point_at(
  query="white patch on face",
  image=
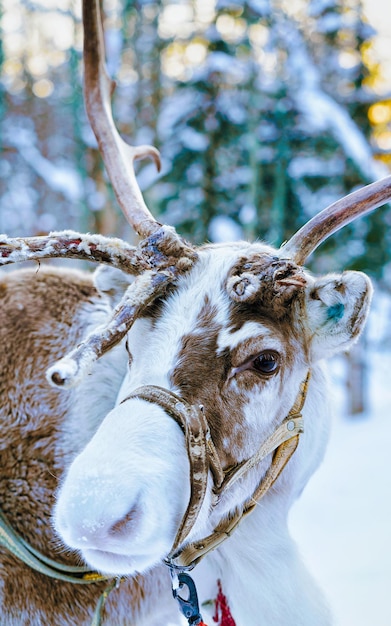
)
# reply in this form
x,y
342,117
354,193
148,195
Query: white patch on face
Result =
x,y
113,503
249,330
123,487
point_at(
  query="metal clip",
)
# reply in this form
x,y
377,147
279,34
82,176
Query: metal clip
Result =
x,y
189,607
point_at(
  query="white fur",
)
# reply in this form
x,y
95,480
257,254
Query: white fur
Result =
x,y
124,496
249,330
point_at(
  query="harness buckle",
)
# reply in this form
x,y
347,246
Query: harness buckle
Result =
x,y
189,606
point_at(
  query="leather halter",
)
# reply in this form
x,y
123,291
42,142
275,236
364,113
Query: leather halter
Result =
x,y
203,457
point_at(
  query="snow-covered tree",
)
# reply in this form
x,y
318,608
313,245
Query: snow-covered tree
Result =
x,y
262,109
272,125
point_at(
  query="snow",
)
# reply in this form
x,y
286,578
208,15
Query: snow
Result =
x,y
175,109
319,6
113,45
59,177
303,165
233,69
223,228
262,7
194,140
342,520
322,112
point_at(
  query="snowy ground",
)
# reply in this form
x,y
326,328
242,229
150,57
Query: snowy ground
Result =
x,y
342,521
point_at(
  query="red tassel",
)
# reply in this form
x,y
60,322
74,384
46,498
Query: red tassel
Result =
x,y
222,614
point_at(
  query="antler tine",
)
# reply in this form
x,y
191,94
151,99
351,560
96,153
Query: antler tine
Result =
x,y
72,368
73,245
334,217
117,155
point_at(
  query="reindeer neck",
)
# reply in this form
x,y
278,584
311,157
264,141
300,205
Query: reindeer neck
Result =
x,y
261,574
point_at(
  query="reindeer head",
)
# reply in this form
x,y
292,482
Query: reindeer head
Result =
x,y
227,332
237,335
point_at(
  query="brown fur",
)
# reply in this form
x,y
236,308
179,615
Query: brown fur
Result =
x,y
202,371
266,280
37,311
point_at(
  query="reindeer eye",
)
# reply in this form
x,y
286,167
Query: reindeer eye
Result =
x,y
266,363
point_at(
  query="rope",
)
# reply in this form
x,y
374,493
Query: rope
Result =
x,y
17,546
222,614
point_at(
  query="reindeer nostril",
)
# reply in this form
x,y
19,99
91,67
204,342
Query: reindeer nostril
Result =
x,y
126,523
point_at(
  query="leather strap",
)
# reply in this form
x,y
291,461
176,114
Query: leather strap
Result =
x,y
200,449
203,456
15,544
191,554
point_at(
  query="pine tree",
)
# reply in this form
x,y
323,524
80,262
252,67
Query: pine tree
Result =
x,y
204,127
260,109
300,139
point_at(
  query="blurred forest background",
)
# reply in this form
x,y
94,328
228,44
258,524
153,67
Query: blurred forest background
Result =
x,y
265,112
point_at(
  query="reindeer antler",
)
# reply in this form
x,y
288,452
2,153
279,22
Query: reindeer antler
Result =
x,y
281,277
72,245
163,245
163,252
334,217
161,257
118,156
75,365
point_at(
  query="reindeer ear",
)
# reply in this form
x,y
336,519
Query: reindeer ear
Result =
x,y
337,307
111,282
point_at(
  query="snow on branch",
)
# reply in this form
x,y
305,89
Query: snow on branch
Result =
x,y
322,111
60,178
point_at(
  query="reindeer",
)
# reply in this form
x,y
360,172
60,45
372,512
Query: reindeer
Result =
x,y
177,433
